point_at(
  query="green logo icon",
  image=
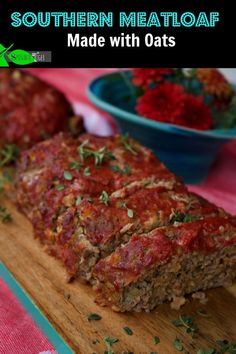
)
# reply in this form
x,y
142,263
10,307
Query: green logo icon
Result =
x,y
17,56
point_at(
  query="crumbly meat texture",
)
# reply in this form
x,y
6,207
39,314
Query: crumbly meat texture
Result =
x,y
30,109
168,262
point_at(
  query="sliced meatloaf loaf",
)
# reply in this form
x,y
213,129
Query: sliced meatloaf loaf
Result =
x,y
167,262
30,109
86,196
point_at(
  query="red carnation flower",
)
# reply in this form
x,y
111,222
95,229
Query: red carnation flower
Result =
x,y
171,104
144,77
195,113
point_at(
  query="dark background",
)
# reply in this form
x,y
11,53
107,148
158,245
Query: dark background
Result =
x,y
195,47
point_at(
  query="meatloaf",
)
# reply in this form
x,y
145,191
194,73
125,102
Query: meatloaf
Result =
x,y
30,109
90,197
167,262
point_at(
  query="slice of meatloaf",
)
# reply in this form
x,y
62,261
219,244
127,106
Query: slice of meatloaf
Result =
x,y
167,262
30,109
86,196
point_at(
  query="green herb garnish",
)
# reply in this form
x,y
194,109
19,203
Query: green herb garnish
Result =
x,y
187,322
104,198
130,213
87,172
178,345
4,215
60,187
8,154
68,176
207,351
124,139
78,201
74,165
99,155
117,169
128,330
121,204
226,347
109,343
156,340
94,317
182,217
126,170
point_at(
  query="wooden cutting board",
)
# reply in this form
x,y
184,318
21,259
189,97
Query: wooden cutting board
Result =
x,y
67,306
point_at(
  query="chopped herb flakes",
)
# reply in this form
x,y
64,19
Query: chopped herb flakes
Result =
x,y
94,317
78,201
156,340
104,198
127,146
109,343
68,176
181,217
60,187
128,330
178,345
117,169
121,204
8,154
74,165
130,213
87,172
5,217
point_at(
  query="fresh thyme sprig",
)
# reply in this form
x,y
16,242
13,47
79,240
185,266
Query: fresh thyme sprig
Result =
x,y
99,155
8,154
124,139
5,216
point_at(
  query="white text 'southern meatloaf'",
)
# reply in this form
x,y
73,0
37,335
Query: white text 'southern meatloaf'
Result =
x,y
30,109
167,262
86,196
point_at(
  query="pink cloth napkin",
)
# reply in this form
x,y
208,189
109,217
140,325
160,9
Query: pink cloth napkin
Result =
x,y
19,334
220,186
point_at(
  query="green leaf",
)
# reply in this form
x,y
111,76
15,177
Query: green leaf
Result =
x,y
60,187
128,330
3,62
178,345
78,201
130,213
68,176
21,57
94,317
87,172
5,217
104,198
8,154
156,340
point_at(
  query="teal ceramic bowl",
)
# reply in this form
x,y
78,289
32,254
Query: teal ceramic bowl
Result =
x,y
187,152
